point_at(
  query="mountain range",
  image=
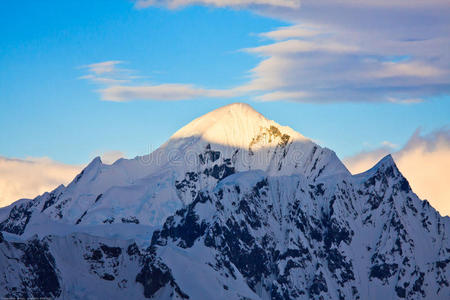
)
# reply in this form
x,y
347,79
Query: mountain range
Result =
x,y
232,206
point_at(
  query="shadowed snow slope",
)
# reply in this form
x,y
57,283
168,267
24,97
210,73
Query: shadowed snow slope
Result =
x,y
232,206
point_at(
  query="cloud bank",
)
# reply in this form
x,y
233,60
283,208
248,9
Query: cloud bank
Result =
x,y
27,178
424,161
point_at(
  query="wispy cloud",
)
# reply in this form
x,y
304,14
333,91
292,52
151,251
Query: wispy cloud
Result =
x,y
104,67
424,160
405,101
120,85
289,32
389,144
108,73
282,95
168,92
172,4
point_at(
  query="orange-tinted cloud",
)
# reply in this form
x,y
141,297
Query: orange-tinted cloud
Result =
x,y
27,178
424,161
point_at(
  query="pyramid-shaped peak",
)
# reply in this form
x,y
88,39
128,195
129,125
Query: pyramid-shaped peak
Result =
x,y
386,164
238,109
235,124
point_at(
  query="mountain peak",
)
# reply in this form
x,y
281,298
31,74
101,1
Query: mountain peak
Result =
x,y
238,108
235,124
387,163
384,163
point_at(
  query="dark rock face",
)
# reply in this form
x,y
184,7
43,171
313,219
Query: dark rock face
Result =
x,y
40,278
155,276
52,200
37,259
131,219
18,219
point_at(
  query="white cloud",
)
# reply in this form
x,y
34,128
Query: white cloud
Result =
x,y
108,73
288,32
103,80
30,177
389,144
119,85
103,67
414,69
300,46
27,178
384,3
347,64
167,92
405,101
287,96
173,4
424,161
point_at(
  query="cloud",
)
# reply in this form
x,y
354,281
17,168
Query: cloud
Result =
x,y
108,73
104,67
103,80
167,92
398,51
117,84
405,101
334,51
333,64
414,69
30,177
424,161
288,32
173,4
300,46
285,95
389,144
27,178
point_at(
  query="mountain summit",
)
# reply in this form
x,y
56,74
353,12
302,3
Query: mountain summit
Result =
x,y
232,206
234,125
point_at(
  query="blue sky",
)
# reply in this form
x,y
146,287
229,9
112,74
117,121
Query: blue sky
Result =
x,y
47,110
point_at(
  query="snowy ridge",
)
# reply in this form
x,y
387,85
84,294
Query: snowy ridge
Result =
x,y
232,206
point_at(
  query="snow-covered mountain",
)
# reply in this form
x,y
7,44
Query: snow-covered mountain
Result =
x,y
232,206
